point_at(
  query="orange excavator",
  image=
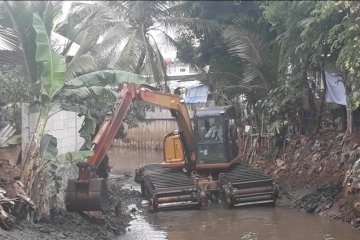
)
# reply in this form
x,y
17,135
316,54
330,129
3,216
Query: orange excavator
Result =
x,y
198,162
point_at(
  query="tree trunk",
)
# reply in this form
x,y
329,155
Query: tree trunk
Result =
x,y
32,176
322,104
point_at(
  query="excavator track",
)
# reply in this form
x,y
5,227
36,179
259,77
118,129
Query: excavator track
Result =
x,y
171,189
168,189
243,185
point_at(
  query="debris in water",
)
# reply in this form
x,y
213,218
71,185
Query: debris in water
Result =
x,y
249,236
144,203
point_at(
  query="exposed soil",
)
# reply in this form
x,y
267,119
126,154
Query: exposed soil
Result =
x,y
94,225
318,175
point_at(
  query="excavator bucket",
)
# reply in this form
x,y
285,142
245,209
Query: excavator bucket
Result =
x,y
90,195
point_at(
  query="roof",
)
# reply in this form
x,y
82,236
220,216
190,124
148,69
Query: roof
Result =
x,y
216,111
183,84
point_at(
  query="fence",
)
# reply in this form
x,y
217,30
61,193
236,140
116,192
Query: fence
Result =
x,y
150,134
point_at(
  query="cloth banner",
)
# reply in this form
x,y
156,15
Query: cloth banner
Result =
x,y
197,94
335,92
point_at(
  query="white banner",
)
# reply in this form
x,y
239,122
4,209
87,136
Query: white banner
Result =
x,y
335,89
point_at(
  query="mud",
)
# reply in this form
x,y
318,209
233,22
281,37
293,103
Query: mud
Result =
x,y
95,225
320,200
313,175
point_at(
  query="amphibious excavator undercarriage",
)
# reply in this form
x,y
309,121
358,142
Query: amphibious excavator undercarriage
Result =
x,y
199,161
239,185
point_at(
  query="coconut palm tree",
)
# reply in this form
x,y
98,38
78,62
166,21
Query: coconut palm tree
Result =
x,y
128,32
17,40
259,60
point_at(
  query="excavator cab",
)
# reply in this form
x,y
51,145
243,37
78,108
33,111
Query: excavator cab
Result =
x,y
215,134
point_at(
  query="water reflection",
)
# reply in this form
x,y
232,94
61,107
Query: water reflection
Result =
x,y
125,160
249,224
217,223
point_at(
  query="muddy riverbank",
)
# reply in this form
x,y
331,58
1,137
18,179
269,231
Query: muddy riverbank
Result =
x,y
73,226
319,175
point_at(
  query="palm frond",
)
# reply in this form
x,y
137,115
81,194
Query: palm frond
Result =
x,y
21,19
244,44
80,65
131,52
21,15
13,61
258,68
86,20
119,6
112,39
152,68
167,39
202,26
161,66
179,8
8,39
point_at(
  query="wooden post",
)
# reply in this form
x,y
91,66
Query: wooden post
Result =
x,y
348,117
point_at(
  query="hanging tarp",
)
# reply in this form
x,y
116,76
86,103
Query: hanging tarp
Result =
x,y
197,94
335,92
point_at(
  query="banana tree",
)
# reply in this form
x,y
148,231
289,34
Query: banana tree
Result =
x,y
90,96
53,91
52,80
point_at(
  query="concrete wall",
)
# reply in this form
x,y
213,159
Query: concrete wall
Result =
x,y
63,125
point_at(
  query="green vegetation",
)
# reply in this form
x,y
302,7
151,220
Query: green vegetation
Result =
x,y
275,52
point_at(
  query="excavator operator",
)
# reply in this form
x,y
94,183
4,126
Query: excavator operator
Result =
x,y
215,131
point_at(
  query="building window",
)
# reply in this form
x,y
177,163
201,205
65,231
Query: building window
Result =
x,y
182,69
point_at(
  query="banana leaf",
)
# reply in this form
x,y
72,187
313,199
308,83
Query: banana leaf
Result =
x,y
14,140
53,75
75,156
48,147
84,92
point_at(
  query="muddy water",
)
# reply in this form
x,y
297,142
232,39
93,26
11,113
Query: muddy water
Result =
x,y
215,222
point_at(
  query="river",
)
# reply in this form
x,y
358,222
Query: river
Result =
x,y
214,222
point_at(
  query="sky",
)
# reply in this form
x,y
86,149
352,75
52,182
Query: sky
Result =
x,y
167,51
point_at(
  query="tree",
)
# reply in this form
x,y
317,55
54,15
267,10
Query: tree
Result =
x,y
277,49
128,32
50,90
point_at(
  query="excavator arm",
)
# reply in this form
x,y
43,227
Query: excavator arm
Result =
x,y
89,192
139,92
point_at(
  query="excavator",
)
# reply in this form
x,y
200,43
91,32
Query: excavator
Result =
x,y
200,163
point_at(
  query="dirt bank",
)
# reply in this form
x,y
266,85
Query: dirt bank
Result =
x,y
65,225
319,175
